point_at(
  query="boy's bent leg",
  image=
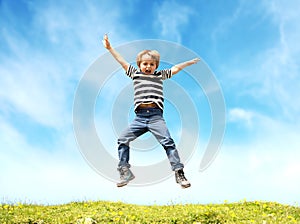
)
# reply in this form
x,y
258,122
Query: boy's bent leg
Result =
x,y
135,129
159,129
161,132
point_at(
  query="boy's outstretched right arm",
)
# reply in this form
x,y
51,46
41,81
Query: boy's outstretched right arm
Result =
x,y
114,53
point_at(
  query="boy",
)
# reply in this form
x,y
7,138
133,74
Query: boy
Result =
x,y
148,106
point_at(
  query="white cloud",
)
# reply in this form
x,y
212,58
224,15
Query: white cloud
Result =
x,y
32,87
39,78
281,63
259,170
268,164
258,174
31,174
172,16
262,124
271,76
226,23
241,115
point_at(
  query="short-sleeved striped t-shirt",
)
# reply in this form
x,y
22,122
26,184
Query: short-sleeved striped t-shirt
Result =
x,y
148,88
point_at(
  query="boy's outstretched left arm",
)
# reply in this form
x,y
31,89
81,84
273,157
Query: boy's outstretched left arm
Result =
x,y
176,68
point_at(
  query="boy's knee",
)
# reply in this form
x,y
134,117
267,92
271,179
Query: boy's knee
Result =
x,y
168,143
122,141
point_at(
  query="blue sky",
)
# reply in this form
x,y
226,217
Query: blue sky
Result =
x,y
251,47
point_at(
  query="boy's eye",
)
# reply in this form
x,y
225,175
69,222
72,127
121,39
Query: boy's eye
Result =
x,y
146,64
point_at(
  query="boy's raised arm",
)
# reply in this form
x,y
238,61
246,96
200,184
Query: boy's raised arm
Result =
x,y
114,53
176,68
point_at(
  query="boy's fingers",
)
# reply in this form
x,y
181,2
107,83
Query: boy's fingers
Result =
x,y
104,43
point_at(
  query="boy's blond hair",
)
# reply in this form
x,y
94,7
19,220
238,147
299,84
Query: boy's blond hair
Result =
x,y
152,53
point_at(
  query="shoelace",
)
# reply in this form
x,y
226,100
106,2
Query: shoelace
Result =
x,y
181,177
122,173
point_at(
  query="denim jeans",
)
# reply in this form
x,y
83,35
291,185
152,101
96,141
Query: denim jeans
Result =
x,y
152,120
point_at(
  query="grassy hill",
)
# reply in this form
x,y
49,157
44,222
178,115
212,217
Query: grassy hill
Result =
x,y
117,212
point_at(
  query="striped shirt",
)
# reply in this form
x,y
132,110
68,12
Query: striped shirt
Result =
x,y
148,88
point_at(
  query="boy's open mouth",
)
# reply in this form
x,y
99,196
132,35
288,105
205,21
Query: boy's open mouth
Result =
x,y
147,71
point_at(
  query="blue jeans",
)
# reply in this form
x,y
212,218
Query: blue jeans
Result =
x,y
152,120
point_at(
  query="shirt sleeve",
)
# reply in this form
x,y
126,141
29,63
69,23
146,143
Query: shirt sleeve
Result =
x,y
166,73
131,71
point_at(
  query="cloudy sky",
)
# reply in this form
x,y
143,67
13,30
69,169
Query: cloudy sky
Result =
x,y
251,48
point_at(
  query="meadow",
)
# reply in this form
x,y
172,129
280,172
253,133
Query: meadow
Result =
x,y
90,212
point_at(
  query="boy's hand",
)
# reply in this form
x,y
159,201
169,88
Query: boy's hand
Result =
x,y
195,60
176,68
105,42
114,53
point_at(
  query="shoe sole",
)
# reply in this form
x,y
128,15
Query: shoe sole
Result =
x,y
122,184
185,186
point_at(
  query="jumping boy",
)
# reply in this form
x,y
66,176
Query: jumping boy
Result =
x,y
148,106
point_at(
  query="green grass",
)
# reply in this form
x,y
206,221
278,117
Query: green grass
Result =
x,y
117,212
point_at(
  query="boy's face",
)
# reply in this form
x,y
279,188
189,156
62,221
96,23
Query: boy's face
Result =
x,y
147,65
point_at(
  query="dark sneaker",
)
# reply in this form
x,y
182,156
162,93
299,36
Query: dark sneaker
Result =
x,y
125,175
180,179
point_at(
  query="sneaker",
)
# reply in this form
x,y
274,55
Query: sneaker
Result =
x,y
180,179
125,175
